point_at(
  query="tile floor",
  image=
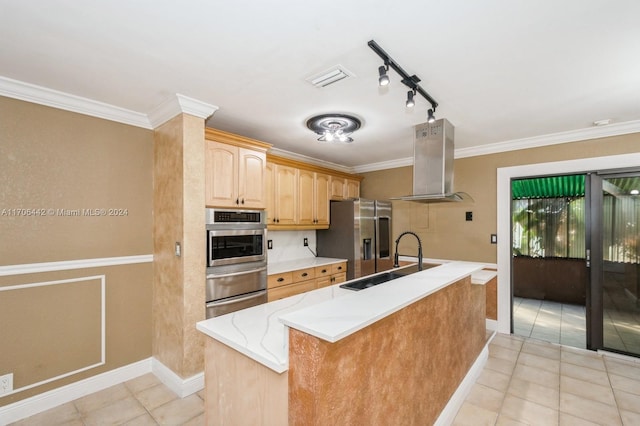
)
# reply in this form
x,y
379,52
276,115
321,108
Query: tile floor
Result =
x,y
550,321
532,382
525,381
138,402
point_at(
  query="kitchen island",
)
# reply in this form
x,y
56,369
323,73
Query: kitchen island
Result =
x,y
391,353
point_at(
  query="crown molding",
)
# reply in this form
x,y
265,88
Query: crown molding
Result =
x,y
383,165
179,104
65,101
616,129
310,160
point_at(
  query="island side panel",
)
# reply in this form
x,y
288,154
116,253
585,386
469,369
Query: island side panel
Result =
x,y
240,391
402,369
492,298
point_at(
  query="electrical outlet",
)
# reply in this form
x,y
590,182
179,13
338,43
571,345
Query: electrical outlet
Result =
x,y
305,242
6,384
269,244
494,239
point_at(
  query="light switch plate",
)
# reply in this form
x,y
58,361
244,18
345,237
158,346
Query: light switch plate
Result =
x,y
494,239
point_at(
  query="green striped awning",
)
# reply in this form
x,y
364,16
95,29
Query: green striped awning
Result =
x,y
548,187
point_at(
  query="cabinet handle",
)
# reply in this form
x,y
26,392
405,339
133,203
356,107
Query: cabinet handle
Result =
x,y
280,279
243,201
333,279
304,274
237,201
324,271
339,268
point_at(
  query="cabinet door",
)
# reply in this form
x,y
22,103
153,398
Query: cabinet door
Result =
x,y
286,195
337,188
251,178
306,204
270,192
221,174
353,189
322,182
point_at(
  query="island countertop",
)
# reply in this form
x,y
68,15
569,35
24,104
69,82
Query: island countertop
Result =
x,y
329,313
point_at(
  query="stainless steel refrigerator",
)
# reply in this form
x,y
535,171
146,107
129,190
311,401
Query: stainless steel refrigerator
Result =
x,y
360,232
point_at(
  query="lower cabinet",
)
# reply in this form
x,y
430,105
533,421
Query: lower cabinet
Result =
x,y
299,281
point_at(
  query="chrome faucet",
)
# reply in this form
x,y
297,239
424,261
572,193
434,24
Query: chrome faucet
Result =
x,y
396,255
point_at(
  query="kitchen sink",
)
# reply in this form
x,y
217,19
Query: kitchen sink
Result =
x,y
371,281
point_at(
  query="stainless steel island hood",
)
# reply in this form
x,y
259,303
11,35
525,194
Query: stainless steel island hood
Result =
x,y
433,151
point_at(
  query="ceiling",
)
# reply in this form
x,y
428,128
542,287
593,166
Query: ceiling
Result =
x,y
501,70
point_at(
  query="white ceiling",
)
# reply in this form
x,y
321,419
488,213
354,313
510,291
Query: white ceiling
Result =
x,y
501,70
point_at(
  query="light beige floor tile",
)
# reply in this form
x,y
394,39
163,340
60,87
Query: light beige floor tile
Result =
x,y
501,365
528,412
120,411
535,393
485,397
510,342
62,414
155,396
552,365
623,368
494,380
537,375
540,348
143,382
584,360
625,384
179,410
143,420
630,418
589,410
196,421
583,373
102,398
587,390
628,401
503,353
569,420
472,415
507,421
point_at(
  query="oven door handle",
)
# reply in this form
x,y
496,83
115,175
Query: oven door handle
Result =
x,y
235,274
237,299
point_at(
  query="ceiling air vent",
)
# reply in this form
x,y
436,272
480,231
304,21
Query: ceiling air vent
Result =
x,y
330,76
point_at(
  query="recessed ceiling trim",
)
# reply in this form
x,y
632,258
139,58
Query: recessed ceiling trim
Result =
x,y
44,96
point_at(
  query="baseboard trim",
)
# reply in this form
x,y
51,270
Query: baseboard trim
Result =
x,y
55,397
449,412
181,387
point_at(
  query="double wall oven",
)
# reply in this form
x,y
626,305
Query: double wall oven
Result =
x,y
236,260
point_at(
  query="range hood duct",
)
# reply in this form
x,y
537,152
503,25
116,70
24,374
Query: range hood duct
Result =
x,y
433,151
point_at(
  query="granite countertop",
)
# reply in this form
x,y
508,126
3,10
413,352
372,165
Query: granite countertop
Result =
x,y
293,265
330,313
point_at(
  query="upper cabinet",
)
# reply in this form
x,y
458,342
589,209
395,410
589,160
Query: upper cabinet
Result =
x,y
299,193
235,171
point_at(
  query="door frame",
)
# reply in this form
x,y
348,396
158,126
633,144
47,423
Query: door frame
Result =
x,y
503,207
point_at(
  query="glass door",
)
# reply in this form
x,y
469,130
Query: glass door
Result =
x,y
614,293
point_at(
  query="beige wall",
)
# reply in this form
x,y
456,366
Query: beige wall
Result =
x,y
54,159
442,227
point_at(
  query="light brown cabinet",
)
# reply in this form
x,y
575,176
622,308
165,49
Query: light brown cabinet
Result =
x,y
299,281
313,198
308,206
235,171
282,194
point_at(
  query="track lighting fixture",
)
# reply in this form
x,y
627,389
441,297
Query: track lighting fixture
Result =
x,y
410,102
430,117
409,81
334,127
383,80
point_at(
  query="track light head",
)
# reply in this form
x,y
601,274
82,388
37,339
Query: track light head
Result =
x,y
383,80
410,102
430,116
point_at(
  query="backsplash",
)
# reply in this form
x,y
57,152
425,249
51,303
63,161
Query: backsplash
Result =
x,y
288,245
